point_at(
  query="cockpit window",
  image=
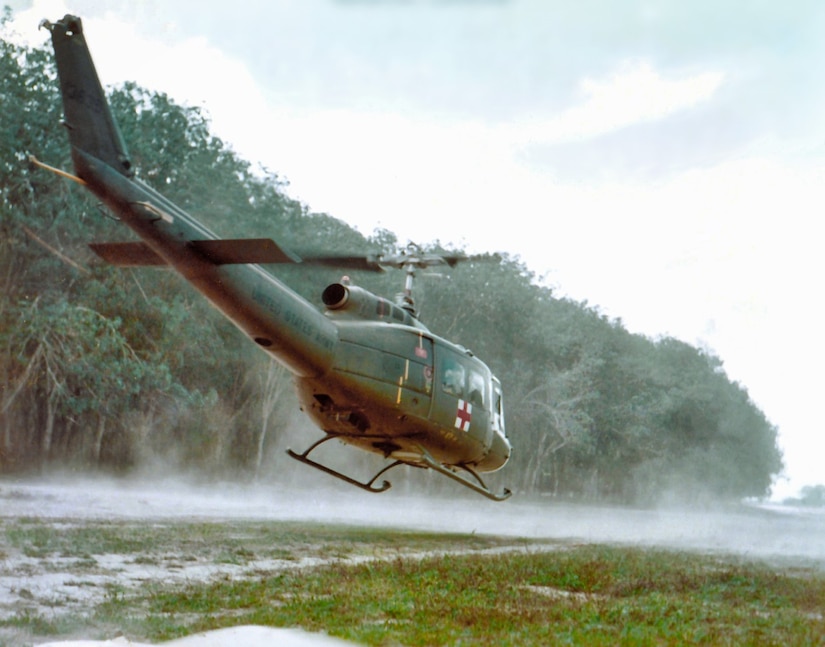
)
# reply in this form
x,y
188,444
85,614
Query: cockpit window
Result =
x,y
464,380
498,406
476,387
454,378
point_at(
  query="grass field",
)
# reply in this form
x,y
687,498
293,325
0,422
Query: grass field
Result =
x,y
154,581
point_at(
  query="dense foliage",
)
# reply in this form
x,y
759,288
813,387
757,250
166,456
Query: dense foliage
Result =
x,y
111,368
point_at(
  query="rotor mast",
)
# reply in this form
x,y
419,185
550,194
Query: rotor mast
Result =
x,y
411,259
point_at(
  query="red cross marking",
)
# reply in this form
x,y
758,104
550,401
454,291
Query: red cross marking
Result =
x,y
463,415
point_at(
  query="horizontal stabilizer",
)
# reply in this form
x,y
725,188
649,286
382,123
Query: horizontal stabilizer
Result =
x,y
127,254
219,252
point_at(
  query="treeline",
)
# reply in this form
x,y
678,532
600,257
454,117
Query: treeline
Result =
x,y
810,496
110,369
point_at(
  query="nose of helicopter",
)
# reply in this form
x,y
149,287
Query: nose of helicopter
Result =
x,y
498,455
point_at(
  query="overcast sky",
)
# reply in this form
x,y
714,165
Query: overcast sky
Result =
x,y
663,161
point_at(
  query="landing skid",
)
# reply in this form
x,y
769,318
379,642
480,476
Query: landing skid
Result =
x,y
479,486
368,486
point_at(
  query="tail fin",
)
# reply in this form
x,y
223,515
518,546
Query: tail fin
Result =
x,y
92,129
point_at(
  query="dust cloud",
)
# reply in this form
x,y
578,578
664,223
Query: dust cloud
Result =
x,y
785,537
781,534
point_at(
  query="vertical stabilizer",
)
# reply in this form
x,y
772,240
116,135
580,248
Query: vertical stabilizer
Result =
x,y
92,129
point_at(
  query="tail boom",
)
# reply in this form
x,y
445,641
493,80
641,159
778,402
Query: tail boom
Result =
x,y
276,318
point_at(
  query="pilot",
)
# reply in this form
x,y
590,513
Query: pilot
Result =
x,y
454,380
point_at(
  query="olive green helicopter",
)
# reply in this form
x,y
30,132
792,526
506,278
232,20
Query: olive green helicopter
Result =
x,y
368,372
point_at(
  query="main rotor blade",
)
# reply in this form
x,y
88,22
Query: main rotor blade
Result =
x,y
453,260
422,260
220,252
365,263
377,263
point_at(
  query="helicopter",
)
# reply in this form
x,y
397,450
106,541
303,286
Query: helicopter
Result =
x,y
368,372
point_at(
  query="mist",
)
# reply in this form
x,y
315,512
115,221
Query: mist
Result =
x,y
784,538
780,534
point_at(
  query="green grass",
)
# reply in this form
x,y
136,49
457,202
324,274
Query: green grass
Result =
x,y
585,595
534,594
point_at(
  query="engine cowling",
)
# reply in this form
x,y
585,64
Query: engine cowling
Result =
x,y
351,301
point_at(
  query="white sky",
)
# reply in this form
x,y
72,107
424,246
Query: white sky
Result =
x,y
663,161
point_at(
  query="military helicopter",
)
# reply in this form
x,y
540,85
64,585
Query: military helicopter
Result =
x,y
368,371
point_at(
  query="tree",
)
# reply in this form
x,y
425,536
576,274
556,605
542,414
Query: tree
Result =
x,y
555,412
114,364
78,364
